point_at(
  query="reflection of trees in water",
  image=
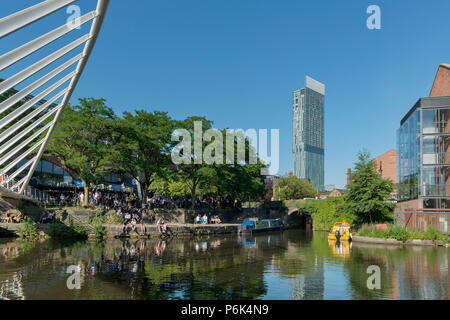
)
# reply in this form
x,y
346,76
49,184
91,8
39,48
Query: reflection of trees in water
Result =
x,y
406,273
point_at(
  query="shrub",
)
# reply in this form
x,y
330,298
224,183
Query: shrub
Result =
x,y
61,231
398,232
113,219
326,212
432,234
28,230
97,223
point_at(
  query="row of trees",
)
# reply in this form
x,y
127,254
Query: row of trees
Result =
x,y
91,141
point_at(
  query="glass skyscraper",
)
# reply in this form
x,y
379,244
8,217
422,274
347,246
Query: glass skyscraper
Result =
x,y
308,132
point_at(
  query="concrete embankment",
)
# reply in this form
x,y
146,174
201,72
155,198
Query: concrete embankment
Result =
x,y
410,242
116,230
179,230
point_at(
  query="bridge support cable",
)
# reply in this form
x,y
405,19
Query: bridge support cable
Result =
x,y
28,115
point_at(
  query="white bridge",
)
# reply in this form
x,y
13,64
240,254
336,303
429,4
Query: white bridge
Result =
x,y
28,115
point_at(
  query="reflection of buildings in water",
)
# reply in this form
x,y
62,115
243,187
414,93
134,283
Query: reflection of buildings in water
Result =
x,y
12,288
423,278
311,285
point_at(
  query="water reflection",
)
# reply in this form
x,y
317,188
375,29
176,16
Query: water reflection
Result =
x,y
283,265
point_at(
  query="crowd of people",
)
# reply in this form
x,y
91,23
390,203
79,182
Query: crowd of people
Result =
x,y
135,213
113,200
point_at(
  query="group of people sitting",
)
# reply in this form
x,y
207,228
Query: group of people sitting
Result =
x,y
199,219
10,218
133,217
46,217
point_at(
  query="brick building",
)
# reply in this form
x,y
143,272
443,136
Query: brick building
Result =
x,y
386,165
441,85
423,147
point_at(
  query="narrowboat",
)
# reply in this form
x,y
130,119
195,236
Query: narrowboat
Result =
x,y
254,225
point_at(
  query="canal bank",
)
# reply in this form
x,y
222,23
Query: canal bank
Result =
x,y
409,242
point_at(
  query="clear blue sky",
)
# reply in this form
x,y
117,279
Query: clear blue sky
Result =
x,y
237,62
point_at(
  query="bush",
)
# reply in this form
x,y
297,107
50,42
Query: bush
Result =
x,y
326,212
28,230
61,231
432,234
398,232
402,234
113,219
97,223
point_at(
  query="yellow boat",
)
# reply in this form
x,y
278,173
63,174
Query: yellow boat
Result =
x,y
341,232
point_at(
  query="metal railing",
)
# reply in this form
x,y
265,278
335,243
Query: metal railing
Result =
x,y
24,126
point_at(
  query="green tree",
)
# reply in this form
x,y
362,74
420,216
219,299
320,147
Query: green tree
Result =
x,y
142,144
82,140
368,192
192,173
292,188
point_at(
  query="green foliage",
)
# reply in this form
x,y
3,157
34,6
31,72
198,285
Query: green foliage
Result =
x,y
401,233
97,223
28,230
292,188
368,192
113,218
433,234
59,230
82,140
325,212
142,145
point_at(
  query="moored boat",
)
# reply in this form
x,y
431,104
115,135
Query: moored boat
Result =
x,y
255,225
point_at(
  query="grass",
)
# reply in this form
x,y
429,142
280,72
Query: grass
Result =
x,y
402,234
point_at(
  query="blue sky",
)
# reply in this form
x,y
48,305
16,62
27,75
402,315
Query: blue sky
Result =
x,y
237,62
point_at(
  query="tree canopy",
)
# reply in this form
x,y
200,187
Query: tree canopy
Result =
x,y
292,188
368,192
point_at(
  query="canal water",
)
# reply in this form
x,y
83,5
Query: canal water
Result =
x,y
286,265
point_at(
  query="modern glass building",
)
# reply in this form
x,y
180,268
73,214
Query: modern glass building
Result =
x,y
423,145
308,132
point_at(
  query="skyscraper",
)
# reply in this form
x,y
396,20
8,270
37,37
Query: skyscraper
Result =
x,y
308,132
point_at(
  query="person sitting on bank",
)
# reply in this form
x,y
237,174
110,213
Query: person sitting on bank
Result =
x,y
18,218
161,225
205,219
198,219
8,216
133,224
216,219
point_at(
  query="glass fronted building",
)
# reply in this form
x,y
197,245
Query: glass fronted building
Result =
x,y
423,145
308,132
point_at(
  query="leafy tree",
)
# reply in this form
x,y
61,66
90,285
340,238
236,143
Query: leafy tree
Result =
x,y
82,140
368,192
292,188
142,144
192,173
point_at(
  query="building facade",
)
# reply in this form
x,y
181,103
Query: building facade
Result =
x,y
308,132
423,152
423,143
386,165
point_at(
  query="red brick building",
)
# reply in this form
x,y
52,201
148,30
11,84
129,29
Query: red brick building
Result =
x,y
386,165
441,85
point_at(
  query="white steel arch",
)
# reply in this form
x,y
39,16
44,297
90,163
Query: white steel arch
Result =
x,y
24,127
